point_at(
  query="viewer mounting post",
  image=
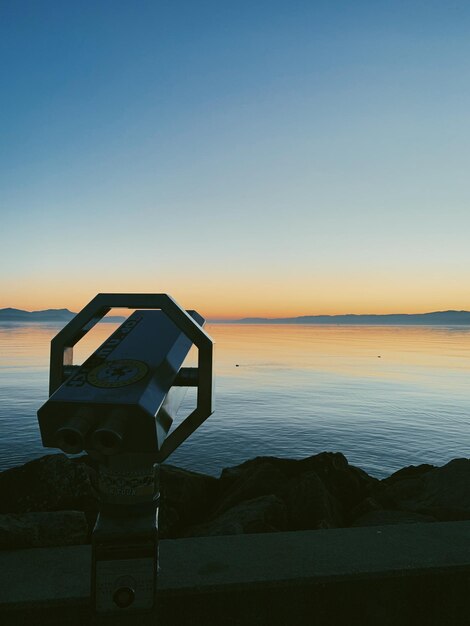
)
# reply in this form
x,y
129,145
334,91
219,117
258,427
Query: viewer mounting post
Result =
x,y
119,406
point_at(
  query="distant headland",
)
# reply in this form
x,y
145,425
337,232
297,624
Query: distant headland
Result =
x,y
59,316
436,318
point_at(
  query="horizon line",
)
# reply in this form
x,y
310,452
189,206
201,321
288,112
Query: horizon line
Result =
x,y
248,316
332,315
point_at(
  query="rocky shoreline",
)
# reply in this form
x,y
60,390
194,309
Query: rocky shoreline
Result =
x,y
52,501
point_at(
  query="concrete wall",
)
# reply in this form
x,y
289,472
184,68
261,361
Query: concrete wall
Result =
x,y
391,575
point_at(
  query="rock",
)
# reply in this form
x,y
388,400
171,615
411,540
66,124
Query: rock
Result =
x,y
51,483
289,468
344,486
366,506
260,478
385,517
265,494
324,462
442,492
266,514
42,529
348,484
286,467
310,505
412,471
186,498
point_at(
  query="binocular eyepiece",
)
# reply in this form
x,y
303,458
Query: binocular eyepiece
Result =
x,y
71,436
79,433
109,437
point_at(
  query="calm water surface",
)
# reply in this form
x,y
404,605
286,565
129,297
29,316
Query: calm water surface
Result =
x,y
385,396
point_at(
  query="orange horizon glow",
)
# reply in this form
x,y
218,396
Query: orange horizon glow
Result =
x,y
234,297
255,312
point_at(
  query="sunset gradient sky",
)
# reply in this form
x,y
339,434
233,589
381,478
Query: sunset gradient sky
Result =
x,y
249,158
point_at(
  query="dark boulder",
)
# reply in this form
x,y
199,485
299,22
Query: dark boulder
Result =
x,y
286,467
186,498
348,484
441,492
42,529
411,471
366,506
310,504
345,485
51,483
266,514
263,476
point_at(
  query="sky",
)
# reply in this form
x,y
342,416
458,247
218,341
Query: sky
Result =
x,y
247,157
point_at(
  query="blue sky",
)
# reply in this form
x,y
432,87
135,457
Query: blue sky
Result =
x,y
247,157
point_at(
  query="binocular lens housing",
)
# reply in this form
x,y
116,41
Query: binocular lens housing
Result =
x,y
109,438
74,436
71,436
70,440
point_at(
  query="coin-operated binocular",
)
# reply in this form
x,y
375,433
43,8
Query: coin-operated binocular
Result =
x,y
119,406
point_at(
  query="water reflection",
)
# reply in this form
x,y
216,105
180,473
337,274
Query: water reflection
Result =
x,y
385,396
372,351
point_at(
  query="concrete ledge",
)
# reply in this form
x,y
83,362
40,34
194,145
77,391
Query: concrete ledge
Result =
x,y
392,575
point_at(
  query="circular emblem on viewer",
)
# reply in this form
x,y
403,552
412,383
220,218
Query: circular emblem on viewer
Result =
x,y
117,373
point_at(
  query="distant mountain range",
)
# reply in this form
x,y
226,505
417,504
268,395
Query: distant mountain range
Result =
x,y
48,315
444,318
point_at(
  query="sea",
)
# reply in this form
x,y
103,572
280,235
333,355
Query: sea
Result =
x,y
385,396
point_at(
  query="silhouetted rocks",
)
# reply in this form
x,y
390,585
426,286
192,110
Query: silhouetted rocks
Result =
x,y
310,504
318,491
259,477
441,492
51,483
186,498
265,494
266,514
42,529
